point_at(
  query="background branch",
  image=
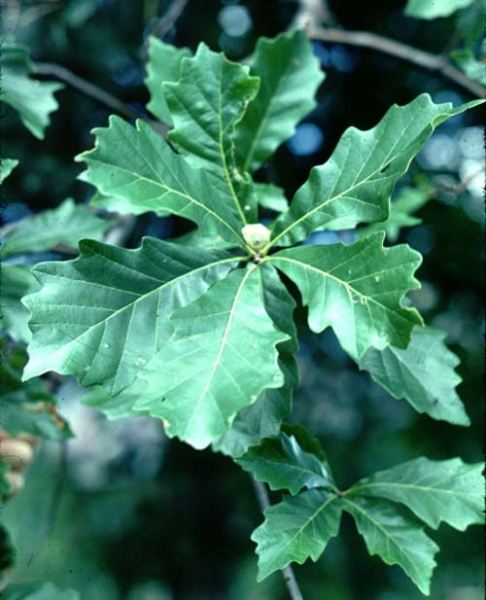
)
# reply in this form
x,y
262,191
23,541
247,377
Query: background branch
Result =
x,y
426,60
168,19
261,494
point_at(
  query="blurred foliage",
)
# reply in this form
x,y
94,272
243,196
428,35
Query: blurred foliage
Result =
x,y
182,530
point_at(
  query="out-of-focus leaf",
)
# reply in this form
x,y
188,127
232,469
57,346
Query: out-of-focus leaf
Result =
x,y
357,290
355,184
394,538
423,374
103,316
296,529
37,591
447,491
66,224
138,166
34,100
433,9
7,165
467,62
164,66
271,197
16,283
27,407
221,356
290,75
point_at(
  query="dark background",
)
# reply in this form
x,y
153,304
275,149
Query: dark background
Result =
x,y
144,518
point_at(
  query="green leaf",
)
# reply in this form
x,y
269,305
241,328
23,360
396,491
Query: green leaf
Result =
x,y
356,183
271,197
138,166
103,316
5,488
264,417
164,66
66,225
206,103
356,290
221,356
467,62
436,491
296,529
27,407
423,374
394,538
16,283
290,75
433,9
408,201
7,552
284,464
37,591
115,407
34,100
7,165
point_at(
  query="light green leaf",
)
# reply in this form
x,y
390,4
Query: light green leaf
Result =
x,y
221,356
34,100
103,316
264,417
394,538
66,225
284,464
408,201
356,183
115,407
356,290
7,165
290,75
16,283
436,491
164,66
433,9
296,529
271,197
467,62
138,166
27,407
423,374
38,591
206,103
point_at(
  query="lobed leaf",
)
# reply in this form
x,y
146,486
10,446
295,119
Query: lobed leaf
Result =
x,y
164,66
394,538
103,316
66,224
355,184
436,491
32,99
221,356
356,290
137,166
423,374
296,529
16,283
290,75
284,464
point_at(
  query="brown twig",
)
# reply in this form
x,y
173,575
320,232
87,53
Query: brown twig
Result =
x,y
287,572
168,19
426,60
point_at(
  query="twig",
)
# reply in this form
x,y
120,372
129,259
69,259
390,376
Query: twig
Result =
x,y
168,19
426,60
287,572
88,89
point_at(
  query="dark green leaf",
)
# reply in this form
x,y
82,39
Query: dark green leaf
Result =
x,y
16,283
290,75
296,529
221,356
394,538
37,591
357,290
423,374
103,316
436,491
356,183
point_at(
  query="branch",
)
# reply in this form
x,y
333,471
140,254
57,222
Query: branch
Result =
x,y
287,572
426,60
163,25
